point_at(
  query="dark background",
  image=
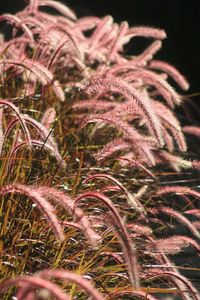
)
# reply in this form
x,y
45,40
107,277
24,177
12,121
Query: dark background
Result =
x,y
180,19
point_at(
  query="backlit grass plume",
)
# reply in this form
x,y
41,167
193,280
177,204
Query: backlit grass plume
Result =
x,y
98,174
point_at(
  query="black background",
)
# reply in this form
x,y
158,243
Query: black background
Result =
x,y
180,19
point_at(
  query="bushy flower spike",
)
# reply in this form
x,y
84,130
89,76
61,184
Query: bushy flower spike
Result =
x,y
169,121
101,29
33,282
190,288
131,135
12,19
194,212
74,278
44,133
46,208
193,130
96,105
49,117
148,32
150,78
110,148
77,279
135,204
121,87
176,162
116,221
20,117
64,34
142,59
174,244
63,9
166,115
172,71
178,190
116,45
41,73
179,281
33,6
79,216
87,23
5,48
136,164
137,61
42,145
179,217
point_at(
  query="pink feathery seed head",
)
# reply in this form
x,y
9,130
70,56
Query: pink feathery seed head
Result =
x,y
108,40
174,244
110,188
62,31
147,55
170,123
63,9
134,203
131,135
12,19
17,41
180,281
66,201
102,27
193,130
148,32
110,148
138,61
125,89
178,190
87,23
194,212
151,78
7,102
129,132
33,6
47,140
75,278
140,229
179,217
41,73
94,105
115,220
117,43
46,208
45,134
172,71
48,117
139,165
166,114
176,162
33,282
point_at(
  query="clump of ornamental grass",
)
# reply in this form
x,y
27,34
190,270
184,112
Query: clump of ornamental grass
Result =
x,y
96,177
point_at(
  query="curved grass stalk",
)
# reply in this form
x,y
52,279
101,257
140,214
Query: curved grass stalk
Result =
x,y
116,221
33,282
46,208
20,118
142,103
134,203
